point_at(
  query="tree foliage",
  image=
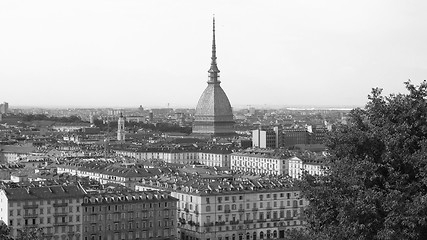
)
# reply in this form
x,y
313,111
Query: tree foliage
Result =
x,y
4,231
41,117
30,234
376,186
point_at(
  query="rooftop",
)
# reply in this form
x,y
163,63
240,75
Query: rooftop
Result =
x,y
52,192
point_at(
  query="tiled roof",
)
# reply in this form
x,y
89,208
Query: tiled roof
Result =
x,y
53,192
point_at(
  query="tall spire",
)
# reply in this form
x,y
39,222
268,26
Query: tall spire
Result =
x,y
213,71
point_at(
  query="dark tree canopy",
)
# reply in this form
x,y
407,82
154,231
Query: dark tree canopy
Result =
x,y
4,232
376,186
30,234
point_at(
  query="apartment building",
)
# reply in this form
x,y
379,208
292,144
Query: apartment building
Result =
x,y
214,158
239,209
56,210
260,161
107,173
141,215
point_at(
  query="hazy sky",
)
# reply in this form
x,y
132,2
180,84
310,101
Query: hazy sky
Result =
x,y
123,53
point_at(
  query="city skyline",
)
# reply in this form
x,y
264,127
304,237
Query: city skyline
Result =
x,y
130,53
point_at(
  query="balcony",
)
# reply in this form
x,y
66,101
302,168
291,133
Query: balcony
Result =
x,y
31,215
234,222
254,209
248,221
186,210
220,223
208,224
60,204
182,220
31,206
268,208
275,219
60,214
60,224
32,226
261,220
241,210
227,210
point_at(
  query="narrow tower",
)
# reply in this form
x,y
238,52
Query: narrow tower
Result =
x,y
214,115
121,128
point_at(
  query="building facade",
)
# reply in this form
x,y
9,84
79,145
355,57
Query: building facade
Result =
x,y
234,210
143,215
259,161
56,210
268,138
211,158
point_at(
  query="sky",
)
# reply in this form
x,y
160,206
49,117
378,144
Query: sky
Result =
x,y
156,53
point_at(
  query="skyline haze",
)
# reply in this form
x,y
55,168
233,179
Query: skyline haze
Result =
x,y
276,53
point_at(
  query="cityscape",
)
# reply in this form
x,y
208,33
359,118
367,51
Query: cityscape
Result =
x,y
329,169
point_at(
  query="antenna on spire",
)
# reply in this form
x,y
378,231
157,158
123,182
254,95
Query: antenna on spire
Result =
x,y
213,71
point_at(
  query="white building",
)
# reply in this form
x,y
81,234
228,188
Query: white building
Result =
x,y
56,210
259,161
214,158
233,210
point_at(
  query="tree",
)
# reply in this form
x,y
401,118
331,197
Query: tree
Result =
x,y
376,182
30,234
4,231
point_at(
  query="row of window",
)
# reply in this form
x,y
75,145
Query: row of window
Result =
x,y
260,225
254,205
128,215
253,164
49,210
132,235
41,220
43,202
254,216
128,226
256,159
240,197
128,207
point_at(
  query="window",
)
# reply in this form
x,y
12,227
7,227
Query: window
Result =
x,y
207,200
208,208
219,207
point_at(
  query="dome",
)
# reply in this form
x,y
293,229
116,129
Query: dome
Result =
x,y
214,103
214,115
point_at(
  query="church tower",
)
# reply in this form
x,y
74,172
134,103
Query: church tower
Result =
x,y
121,128
214,115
